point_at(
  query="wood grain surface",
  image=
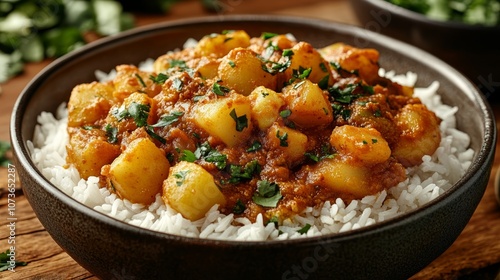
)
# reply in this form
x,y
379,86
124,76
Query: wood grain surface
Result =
x,y
474,255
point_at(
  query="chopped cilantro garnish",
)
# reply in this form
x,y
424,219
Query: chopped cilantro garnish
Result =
x,y
241,121
188,156
278,67
120,113
323,67
139,112
323,83
304,229
111,133
167,120
268,194
239,207
285,113
204,151
326,152
141,81
256,145
344,95
181,177
159,79
216,158
268,35
283,138
239,173
151,132
231,63
178,63
177,84
220,89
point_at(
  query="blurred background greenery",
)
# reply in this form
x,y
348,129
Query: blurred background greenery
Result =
x,y
33,30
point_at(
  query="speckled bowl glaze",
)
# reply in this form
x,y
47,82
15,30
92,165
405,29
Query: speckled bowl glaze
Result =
x,y
471,49
110,249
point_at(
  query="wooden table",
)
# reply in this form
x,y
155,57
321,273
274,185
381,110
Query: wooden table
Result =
x,y
475,254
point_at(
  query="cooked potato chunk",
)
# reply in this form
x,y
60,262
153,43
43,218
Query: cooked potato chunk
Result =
x,y
364,61
138,173
130,79
89,103
206,67
227,119
342,177
191,190
360,143
219,45
420,134
292,142
306,56
242,71
89,151
266,105
308,104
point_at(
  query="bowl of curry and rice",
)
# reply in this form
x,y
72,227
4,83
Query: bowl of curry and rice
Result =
x,y
254,148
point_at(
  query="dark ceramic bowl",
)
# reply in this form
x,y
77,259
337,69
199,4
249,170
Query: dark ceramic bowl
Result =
x,y
471,49
108,248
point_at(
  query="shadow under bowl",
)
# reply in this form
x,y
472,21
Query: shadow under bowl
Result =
x,y
110,249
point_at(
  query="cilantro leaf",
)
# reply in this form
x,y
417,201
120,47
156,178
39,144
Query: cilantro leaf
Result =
x,y
239,173
181,177
241,121
304,229
159,79
111,133
268,35
283,138
141,81
268,194
239,207
167,120
220,89
139,112
188,156
256,145
204,151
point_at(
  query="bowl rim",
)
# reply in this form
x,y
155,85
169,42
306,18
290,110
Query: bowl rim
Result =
x,y
430,22
21,151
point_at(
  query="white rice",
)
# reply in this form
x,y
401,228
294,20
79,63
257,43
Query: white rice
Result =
x,y
434,176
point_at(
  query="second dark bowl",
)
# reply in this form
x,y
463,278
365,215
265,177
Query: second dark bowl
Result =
x,y
471,49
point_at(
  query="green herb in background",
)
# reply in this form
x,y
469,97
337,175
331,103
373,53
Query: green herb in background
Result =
x,y
482,12
5,261
31,30
4,148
